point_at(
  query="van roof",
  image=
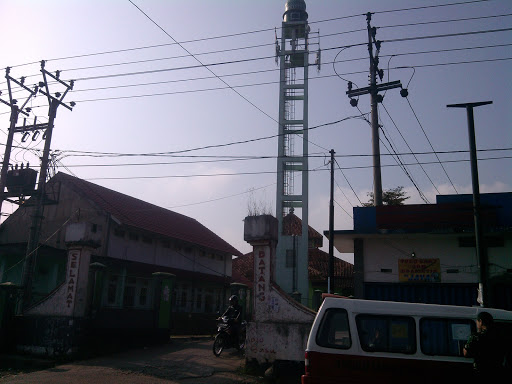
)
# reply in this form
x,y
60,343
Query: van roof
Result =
x,y
402,308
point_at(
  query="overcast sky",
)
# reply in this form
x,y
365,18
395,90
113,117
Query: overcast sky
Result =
x,y
139,92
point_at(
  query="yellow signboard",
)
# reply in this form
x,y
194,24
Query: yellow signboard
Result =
x,y
419,270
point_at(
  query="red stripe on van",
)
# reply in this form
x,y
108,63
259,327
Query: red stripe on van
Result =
x,y
331,368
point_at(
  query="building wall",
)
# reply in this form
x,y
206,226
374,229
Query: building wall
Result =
x,y
381,257
70,209
130,245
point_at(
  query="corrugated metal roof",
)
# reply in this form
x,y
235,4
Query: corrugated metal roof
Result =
x,y
146,216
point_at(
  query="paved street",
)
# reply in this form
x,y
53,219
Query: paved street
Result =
x,y
181,361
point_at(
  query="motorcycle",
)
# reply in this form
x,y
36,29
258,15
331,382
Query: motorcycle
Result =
x,y
225,337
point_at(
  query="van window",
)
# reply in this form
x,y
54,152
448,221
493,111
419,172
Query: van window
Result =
x,y
334,331
445,337
396,334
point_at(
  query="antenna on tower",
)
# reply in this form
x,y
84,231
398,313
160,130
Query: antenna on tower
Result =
x,y
318,60
278,48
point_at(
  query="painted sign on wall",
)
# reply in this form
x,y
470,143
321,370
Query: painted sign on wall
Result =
x,y
72,277
419,270
261,276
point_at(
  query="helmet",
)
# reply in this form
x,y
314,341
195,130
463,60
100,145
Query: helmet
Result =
x,y
233,300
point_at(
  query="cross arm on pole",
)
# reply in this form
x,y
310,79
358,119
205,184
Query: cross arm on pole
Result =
x,y
470,105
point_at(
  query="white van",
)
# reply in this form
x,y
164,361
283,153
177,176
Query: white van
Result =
x,y
362,341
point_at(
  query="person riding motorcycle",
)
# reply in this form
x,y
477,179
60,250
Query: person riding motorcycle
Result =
x,y
233,313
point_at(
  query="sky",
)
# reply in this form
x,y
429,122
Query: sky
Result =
x,y
177,101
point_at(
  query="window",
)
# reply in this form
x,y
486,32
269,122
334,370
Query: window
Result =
x,y
143,290
445,337
384,333
119,232
199,298
334,330
112,286
183,298
136,293
130,289
133,236
208,301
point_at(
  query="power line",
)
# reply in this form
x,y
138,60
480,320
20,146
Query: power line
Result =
x,y
230,158
277,69
222,198
266,44
274,172
274,82
350,185
205,66
397,160
408,146
266,57
447,35
244,33
431,146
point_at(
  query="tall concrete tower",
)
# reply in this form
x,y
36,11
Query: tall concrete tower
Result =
x,y
292,163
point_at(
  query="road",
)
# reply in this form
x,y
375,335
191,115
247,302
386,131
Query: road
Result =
x,y
181,361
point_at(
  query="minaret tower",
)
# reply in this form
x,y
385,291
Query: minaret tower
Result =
x,y
292,163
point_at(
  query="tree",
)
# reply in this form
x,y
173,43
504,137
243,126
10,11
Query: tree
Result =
x,y
393,196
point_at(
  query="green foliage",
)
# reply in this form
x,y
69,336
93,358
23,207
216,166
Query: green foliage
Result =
x,y
393,196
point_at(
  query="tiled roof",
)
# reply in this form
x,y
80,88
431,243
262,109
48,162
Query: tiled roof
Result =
x,y
292,225
318,267
145,216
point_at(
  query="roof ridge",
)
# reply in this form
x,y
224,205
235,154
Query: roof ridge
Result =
x,y
64,175
147,216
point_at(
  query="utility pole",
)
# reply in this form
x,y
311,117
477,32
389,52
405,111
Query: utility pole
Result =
x,y
15,112
330,279
375,98
33,241
481,252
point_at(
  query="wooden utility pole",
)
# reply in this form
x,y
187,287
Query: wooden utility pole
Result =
x,y
481,252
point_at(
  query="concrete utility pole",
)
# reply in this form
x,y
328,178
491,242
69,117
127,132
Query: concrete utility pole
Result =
x,y
37,218
330,279
15,112
375,98
481,252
